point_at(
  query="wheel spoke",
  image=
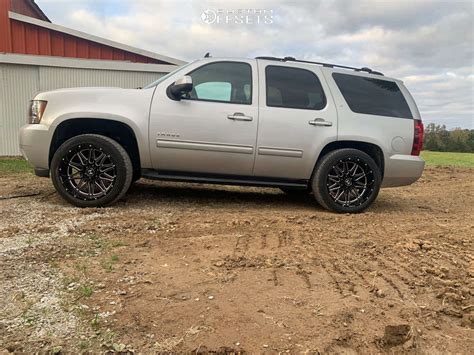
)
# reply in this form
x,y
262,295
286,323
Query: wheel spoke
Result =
x,y
87,173
348,180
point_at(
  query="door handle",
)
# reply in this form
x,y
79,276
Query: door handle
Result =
x,y
320,122
239,116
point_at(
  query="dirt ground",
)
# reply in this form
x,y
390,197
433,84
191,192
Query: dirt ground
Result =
x,y
183,267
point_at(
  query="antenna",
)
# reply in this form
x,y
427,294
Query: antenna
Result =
x,y
207,55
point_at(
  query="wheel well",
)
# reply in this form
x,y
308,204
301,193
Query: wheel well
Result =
x,y
118,131
371,149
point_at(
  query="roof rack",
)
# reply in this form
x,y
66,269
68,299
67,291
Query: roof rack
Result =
x,y
327,65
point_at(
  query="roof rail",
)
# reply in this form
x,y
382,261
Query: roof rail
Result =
x,y
327,65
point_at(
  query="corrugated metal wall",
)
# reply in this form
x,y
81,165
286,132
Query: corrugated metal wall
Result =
x,y
53,78
20,83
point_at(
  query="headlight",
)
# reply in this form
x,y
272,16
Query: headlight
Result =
x,y
36,111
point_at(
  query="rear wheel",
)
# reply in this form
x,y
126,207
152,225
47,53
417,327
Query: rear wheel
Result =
x,y
91,170
346,180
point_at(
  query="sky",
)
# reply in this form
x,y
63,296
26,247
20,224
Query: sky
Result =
x,y
426,43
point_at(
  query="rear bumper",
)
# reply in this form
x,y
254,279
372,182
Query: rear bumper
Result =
x,y
402,170
34,146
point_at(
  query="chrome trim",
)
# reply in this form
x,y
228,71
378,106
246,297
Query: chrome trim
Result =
x,y
238,116
320,122
281,152
213,147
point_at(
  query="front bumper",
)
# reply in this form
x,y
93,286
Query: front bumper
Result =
x,y
401,170
34,146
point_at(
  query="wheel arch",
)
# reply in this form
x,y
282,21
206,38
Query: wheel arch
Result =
x,y
373,150
116,130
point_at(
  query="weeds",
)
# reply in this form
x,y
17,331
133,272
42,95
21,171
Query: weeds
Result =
x,y
86,291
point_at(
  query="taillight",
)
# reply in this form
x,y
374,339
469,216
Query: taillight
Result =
x,y
417,138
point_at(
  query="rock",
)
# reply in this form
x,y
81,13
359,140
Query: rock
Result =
x,y
396,334
211,297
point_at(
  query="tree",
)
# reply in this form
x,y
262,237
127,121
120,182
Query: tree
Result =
x,y
438,138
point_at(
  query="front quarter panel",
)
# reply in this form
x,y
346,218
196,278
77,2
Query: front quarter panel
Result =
x,y
129,106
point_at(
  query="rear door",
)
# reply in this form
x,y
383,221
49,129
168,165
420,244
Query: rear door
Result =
x,y
297,118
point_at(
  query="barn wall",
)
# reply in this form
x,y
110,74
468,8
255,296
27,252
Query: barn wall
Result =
x,y
20,83
27,38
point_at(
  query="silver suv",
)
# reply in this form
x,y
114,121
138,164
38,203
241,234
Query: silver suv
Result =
x,y
305,127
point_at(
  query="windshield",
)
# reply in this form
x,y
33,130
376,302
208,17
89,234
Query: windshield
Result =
x,y
164,77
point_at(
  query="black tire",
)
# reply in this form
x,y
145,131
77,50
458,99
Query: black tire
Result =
x,y
91,170
349,172
295,191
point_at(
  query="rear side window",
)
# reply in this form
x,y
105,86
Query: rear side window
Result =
x,y
293,88
372,96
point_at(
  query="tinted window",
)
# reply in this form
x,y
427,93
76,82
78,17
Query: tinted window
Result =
x,y
213,90
372,96
293,88
222,81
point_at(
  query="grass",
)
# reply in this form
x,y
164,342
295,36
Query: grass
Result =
x,y
10,165
465,160
86,291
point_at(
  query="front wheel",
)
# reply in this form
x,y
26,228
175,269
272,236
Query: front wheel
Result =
x,y
91,170
346,180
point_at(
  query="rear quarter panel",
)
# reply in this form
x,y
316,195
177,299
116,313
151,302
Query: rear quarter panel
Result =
x,y
392,134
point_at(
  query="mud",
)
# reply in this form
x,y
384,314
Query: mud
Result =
x,y
189,267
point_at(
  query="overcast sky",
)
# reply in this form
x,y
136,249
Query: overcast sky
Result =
x,y
428,44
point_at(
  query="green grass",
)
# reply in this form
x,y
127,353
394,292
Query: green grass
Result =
x,y
11,165
465,160
14,166
86,291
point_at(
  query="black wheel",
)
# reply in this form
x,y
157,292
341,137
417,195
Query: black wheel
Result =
x,y
90,170
295,191
346,180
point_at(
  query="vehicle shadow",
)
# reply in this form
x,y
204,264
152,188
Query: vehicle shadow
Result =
x,y
211,195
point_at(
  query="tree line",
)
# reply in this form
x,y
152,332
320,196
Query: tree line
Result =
x,y
438,138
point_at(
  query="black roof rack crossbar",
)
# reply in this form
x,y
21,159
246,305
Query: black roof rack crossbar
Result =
x,y
327,65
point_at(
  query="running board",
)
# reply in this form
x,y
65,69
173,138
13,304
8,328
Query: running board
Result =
x,y
222,179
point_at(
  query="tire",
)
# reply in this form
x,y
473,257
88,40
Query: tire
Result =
x,y
346,181
296,192
91,170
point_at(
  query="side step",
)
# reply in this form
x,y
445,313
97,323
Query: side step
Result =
x,y
222,179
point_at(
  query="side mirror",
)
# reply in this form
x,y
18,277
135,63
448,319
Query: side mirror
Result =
x,y
180,87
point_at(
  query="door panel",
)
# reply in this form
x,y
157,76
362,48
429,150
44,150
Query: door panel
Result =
x,y
205,133
290,139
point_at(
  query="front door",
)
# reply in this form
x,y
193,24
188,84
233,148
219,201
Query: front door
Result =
x,y
212,130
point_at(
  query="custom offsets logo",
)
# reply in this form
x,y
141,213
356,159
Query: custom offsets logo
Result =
x,y
237,16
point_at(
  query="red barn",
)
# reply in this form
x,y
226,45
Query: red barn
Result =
x,y
37,55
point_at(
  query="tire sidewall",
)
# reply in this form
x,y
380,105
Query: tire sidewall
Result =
x,y
108,147
326,164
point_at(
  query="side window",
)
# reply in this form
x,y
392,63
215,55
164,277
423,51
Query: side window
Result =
x,y
293,88
372,96
213,90
229,82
